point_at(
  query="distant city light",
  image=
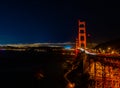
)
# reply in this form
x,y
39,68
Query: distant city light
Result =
x,y
68,47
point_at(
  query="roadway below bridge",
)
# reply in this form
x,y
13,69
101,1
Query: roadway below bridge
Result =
x,y
102,69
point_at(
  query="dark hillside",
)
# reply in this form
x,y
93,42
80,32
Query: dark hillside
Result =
x,y
114,44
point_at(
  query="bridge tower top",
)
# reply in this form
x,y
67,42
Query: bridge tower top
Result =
x,y
81,38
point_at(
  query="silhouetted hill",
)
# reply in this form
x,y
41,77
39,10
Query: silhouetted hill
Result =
x,y
114,44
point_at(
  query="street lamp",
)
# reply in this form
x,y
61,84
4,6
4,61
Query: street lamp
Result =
x,y
108,49
71,85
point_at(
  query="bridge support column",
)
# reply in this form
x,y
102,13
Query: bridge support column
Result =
x,y
81,40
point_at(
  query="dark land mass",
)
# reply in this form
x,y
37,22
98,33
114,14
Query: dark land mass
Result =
x,y
21,69
40,67
114,44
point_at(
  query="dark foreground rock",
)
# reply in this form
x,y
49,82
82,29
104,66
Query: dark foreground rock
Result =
x,y
31,69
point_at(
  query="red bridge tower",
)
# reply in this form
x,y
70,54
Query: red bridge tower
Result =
x,y
81,38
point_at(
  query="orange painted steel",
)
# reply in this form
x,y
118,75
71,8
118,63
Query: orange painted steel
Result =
x,y
105,72
81,38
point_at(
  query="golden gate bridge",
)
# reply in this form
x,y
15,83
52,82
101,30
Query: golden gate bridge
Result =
x,y
103,68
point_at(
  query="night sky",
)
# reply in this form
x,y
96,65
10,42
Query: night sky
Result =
x,y
33,21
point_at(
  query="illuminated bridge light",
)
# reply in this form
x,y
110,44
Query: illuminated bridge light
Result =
x,y
87,52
